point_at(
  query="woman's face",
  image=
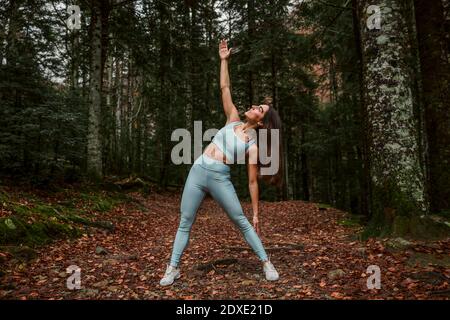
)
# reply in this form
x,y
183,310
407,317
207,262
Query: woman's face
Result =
x,y
257,112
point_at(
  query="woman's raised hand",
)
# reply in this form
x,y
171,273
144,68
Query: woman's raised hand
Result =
x,y
224,52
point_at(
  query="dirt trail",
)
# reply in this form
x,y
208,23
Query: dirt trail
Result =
x,y
317,258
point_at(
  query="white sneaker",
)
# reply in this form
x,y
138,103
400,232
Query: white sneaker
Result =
x,y
171,274
271,272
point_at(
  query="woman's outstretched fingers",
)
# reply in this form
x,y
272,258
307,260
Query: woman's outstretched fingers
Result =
x,y
256,224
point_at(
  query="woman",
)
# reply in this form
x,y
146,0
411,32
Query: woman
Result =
x,y
211,173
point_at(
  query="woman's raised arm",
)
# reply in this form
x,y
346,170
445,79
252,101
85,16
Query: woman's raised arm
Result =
x,y
228,106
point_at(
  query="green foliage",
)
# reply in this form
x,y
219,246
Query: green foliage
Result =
x,y
352,220
42,124
388,196
396,214
39,222
161,72
167,52
36,233
323,206
99,202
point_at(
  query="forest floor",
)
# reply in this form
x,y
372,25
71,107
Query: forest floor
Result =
x,y
316,250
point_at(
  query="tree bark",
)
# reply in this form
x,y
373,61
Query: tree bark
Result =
x,y
396,176
435,71
363,153
94,147
250,35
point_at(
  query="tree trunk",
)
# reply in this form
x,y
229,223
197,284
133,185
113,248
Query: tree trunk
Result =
x,y
362,151
435,72
109,112
118,116
304,166
396,176
251,32
94,151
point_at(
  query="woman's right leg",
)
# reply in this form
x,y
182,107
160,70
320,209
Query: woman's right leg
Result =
x,y
193,195
222,190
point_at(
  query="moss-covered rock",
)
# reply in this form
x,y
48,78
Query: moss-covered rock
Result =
x,y
21,253
335,274
424,227
400,226
421,227
35,221
425,259
398,243
102,202
415,227
11,230
16,230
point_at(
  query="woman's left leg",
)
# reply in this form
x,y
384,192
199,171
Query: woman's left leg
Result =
x,y
222,190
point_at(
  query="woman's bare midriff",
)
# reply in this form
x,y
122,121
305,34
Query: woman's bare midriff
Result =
x,y
214,152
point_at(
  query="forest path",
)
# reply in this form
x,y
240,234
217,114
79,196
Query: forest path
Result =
x,y
315,251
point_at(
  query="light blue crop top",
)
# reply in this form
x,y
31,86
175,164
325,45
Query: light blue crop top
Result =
x,y
230,144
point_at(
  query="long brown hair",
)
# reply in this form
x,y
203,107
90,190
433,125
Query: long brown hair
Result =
x,y
271,121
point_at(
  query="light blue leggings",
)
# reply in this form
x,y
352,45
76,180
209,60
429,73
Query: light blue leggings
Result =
x,y
213,176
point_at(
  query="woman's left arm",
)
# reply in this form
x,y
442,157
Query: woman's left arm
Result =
x,y
253,184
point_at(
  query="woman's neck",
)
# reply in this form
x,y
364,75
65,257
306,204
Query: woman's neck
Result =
x,y
247,125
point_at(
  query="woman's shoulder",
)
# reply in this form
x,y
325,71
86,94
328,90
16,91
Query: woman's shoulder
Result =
x,y
233,121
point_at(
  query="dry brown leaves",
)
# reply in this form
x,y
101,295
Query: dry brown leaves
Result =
x,y
141,245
